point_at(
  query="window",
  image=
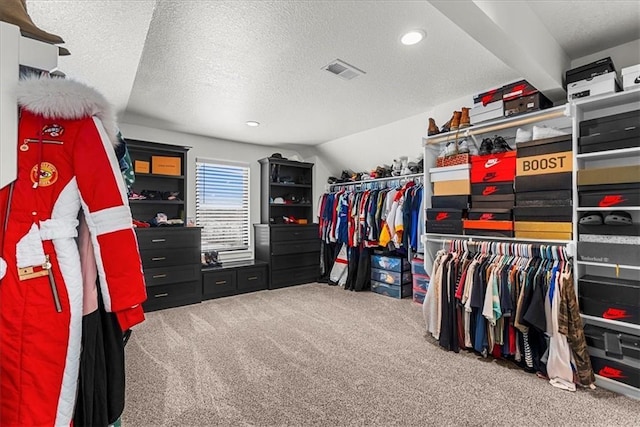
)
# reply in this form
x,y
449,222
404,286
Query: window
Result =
x,y
222,204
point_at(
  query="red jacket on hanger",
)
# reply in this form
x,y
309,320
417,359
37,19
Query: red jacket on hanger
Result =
x,y
66,164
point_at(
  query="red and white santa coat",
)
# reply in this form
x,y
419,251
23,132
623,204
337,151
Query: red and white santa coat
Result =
x,y
66,164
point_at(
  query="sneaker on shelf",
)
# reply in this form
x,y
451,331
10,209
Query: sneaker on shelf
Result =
x,y
486,146
523,135
450,149
136,196
591,218
618,218
499,145
463,147
542,132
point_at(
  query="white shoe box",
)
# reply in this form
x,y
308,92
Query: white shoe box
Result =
x,y
481,113
597,85
631,77
450,173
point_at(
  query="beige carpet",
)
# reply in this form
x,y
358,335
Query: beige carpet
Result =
x,y
320,355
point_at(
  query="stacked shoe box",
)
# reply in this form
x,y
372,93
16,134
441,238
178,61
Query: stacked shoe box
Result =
x,y
521,97
492,196
450,200
631,77
487,106
543,186
420,280
614,354
391,276
596,78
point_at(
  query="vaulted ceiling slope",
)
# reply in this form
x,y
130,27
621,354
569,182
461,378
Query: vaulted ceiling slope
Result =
x,y
207,67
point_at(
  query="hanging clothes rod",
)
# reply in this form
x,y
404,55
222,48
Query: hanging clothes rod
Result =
x,y
414,176
548,251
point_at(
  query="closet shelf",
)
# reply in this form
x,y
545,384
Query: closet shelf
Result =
x,y
369,181
604,264
610,154
628,328
282,184
617,387
499,239
616,208
500,124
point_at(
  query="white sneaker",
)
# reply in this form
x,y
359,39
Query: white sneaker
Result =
x,y
542,132
450,149
463,147
523,135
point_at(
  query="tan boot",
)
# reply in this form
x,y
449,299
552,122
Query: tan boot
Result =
x,y
15,12
465,121
455,120
433,128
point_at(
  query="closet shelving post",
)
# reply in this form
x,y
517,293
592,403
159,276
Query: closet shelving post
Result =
x,y
587,109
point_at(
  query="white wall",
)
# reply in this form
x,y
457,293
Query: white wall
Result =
x,y
213,149
622,56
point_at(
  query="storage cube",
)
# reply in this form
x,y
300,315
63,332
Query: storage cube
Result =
x,y
421,283
390,263
393,291
390,277
417,266
418,297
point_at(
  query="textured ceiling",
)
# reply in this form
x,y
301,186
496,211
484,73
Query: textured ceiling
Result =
x,y
206,67
583,27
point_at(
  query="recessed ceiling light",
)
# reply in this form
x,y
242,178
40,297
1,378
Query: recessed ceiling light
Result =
x,y
253,124
412,37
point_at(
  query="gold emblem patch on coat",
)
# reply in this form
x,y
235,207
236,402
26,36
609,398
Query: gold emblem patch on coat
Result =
x,y
54,130
47,175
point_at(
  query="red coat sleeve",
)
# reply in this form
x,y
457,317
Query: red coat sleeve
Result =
x,y
106,206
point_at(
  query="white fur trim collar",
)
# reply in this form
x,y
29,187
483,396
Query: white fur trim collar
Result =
x,y
54,97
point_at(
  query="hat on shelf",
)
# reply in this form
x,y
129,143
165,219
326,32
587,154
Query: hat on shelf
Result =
x,y
277,156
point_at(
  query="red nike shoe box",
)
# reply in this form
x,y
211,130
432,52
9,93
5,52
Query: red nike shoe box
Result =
x,y
490,214
470,224
610,298
445,221
614,354
608,196
493,167
517,89
492,188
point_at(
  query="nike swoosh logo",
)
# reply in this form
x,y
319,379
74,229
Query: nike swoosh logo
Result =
x,y
489,190
613,200
613,314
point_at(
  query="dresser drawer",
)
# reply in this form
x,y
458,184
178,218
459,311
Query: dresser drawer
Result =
x,y
218,283
279,262
294,232
164,237
172,295
294,276
166,275
152,258
295,247
252,279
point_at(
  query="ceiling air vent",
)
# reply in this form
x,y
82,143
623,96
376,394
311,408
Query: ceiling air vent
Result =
x,y
343,70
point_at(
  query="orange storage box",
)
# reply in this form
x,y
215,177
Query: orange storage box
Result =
x,y
487,224
162,165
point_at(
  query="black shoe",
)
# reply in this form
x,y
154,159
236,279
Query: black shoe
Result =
x,y
486,147
499,145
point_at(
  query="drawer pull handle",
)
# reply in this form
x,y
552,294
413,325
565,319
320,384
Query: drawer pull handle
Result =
x,y
158,240
252,278
161,295
158,258
159,276
221,282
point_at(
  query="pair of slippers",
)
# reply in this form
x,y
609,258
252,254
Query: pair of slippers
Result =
x,y
611,218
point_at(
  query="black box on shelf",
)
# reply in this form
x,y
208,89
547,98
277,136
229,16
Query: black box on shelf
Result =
x,y
526,104
517,90
450,202
504,201
545,182
609,230
543,213
544,198
538,147
609,253
490,214
614,343
596,68
609,195
445,226
488,233
609,298
610,132
439,214
492,188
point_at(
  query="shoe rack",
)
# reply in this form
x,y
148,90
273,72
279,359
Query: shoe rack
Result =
x,y
606,271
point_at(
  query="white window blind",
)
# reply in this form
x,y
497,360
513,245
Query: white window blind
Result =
x,y
222,204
